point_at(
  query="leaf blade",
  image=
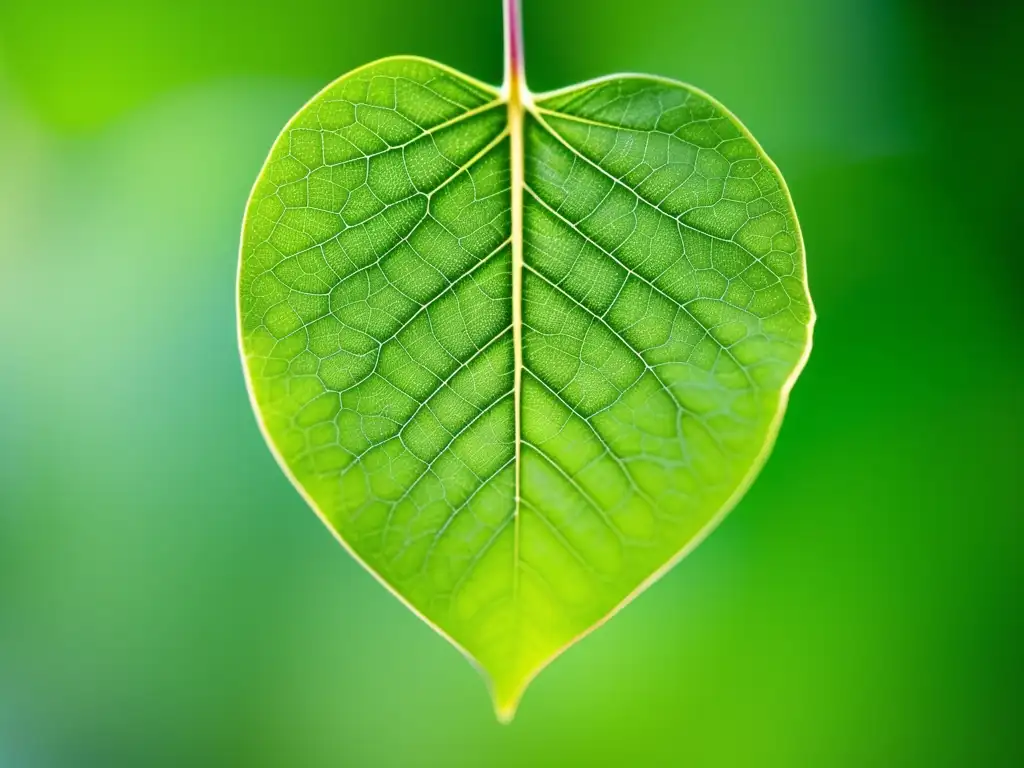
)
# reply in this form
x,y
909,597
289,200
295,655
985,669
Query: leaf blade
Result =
x,y
380,348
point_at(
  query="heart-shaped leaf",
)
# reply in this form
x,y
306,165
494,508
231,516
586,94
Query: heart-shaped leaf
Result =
x,y
520,352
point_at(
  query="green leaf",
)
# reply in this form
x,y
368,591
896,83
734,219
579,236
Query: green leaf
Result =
x,y
519,352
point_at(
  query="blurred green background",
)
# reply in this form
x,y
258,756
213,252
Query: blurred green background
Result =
x,y
167,599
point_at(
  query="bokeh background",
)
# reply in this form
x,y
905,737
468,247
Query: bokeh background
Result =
x,y
167,599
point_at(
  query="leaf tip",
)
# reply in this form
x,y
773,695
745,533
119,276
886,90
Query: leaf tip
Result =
x,y
506,695
506,712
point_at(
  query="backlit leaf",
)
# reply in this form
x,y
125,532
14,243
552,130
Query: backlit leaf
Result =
x,y
520,352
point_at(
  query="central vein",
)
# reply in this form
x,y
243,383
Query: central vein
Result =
x,y
515,91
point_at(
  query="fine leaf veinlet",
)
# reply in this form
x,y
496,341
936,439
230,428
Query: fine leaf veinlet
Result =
x,y
520,352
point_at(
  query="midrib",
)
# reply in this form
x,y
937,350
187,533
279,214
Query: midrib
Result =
x,y
515,92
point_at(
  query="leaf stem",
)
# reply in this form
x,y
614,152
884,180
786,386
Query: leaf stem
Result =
x,y
515,65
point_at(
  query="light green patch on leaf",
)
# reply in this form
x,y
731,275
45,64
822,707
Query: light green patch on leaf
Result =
x,y
448,291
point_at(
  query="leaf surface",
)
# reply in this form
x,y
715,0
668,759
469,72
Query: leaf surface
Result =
x,y
519,352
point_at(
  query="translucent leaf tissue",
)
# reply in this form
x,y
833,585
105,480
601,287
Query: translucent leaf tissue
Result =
x,y
520,352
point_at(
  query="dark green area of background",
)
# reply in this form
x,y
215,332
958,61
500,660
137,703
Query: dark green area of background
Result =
x,y
167,599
